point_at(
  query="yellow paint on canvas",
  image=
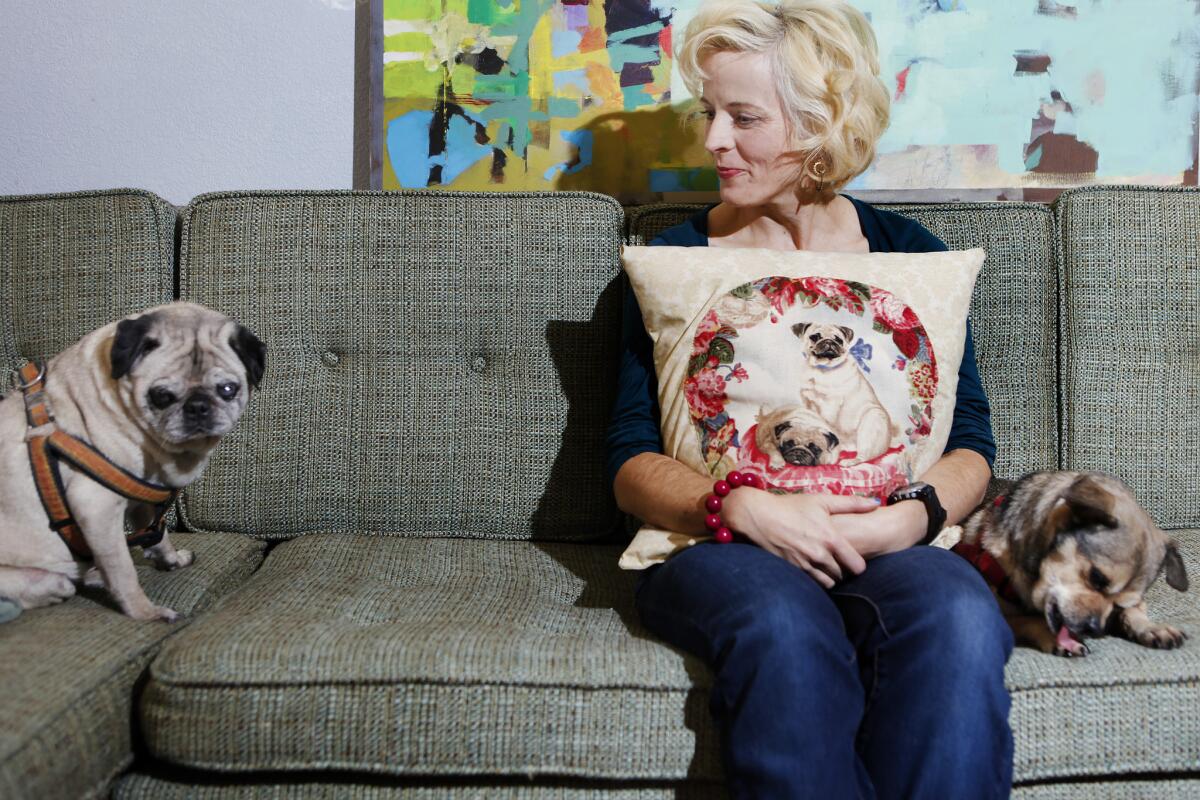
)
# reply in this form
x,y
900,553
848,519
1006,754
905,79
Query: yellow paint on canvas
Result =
x,y
407,42
541,61
410,79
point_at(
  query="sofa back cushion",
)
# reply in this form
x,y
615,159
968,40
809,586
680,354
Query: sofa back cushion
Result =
x,y
1013,313
1131,341
70,263
439,363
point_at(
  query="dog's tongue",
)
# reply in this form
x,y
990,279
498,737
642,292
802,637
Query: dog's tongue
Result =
x,y
1065,640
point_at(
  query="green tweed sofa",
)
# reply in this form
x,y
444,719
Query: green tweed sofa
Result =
x,y
406,579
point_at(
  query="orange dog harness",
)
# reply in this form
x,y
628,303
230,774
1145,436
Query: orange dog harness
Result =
x,y
46,451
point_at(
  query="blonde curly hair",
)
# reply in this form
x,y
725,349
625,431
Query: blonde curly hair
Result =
x,y
825,61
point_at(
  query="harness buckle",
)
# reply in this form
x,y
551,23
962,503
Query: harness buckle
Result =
x,y
21,385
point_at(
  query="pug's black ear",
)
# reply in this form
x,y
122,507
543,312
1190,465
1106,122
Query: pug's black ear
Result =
x,y
132,341
1173,565
831,437
800,327
848,333
252,352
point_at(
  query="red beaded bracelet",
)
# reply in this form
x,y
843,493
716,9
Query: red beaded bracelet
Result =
x,y
713,502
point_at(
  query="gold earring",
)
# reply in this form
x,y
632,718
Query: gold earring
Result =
x,y
819,169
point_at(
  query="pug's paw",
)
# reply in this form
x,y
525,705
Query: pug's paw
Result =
x,y
1161,637
45,588
183,558
167,558
153,612
92,579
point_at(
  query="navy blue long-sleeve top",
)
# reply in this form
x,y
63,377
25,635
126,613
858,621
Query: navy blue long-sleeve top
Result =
x,y
634,425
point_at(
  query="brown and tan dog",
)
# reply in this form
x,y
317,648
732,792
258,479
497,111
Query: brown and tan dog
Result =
x,y
1070,555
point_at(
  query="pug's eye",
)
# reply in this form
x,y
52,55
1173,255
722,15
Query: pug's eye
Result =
x,y
160,398
816,337
227,391
1098,580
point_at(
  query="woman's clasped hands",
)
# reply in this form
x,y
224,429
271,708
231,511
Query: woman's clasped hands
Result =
x,y
828,536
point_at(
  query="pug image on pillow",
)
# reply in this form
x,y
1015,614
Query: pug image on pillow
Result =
x,y
110,430
837,391
795,435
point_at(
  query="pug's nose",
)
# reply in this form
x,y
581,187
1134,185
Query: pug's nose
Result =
x,y
197,406
1093,627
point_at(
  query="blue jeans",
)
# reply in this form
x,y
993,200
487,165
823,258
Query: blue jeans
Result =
x,y
890,685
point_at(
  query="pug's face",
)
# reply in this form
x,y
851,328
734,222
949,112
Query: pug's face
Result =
x,y
187,371
826,346
803,445
1102,553
795,435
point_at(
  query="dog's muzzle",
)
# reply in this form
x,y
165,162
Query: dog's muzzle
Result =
x,y
799,455
827,348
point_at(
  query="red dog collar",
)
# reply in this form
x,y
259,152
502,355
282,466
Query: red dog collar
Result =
x,y
990,568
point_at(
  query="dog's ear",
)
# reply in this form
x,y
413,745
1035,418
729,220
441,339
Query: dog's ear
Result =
x,y
832,439
133,340
800,327
1084,504
848,333
252,352
1173,565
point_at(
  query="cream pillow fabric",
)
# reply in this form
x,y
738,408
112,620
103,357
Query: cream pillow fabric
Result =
x,y
818,372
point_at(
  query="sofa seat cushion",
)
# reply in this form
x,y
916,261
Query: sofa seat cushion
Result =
x,y
69,671
458,657
138,786
431,657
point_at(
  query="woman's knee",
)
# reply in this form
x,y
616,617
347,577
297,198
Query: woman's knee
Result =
x,y
969,627
739,597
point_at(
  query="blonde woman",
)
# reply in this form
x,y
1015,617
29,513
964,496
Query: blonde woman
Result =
x,y
849,661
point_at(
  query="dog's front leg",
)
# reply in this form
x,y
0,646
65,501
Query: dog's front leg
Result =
x,y
163,555
1135,625
103,528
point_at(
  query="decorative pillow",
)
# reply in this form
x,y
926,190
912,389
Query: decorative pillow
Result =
x,y
818,372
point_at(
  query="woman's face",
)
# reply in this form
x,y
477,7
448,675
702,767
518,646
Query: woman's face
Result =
x,y
745,132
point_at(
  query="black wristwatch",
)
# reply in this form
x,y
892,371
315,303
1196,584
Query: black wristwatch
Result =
x,y
928,497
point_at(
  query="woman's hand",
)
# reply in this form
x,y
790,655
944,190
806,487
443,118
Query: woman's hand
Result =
x,y
800,529
886,529
960,478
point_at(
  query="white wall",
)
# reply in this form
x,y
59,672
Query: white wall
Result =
x,y
176,96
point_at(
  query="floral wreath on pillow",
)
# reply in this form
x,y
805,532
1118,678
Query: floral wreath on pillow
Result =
x,y
843,375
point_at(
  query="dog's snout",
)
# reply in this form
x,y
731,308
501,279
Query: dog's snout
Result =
x,y
197,405
827,348
1092,627
798,455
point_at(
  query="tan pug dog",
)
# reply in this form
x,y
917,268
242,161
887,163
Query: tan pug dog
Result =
x,y
154,393
836,389
1079,554
794,435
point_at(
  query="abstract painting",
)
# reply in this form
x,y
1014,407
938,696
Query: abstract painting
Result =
x,y
991,98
